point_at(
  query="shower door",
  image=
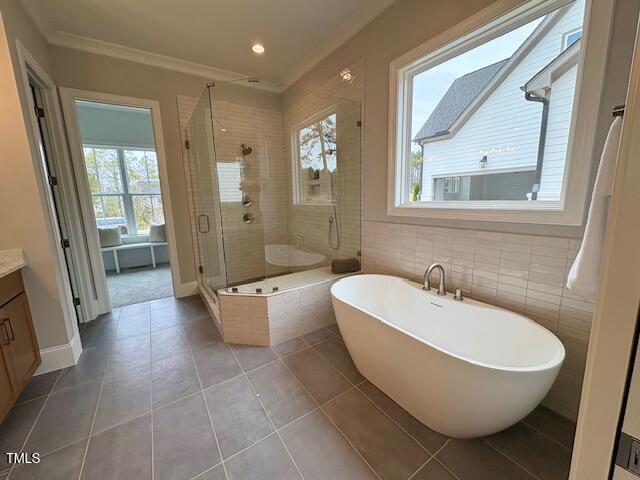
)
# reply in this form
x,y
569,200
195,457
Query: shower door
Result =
x,y
247,170
208,226
241,157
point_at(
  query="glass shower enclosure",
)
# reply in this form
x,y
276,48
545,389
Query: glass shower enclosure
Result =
x,y
275,179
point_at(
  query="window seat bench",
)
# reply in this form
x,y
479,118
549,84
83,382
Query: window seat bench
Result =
x,y
131,246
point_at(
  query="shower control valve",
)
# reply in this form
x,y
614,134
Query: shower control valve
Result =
x,y
246,201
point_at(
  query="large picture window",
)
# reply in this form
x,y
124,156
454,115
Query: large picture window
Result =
x,y
125,187
487,121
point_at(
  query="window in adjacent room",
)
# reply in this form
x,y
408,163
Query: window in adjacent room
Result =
x,y
125,187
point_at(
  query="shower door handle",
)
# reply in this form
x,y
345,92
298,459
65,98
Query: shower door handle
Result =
x,y
206,223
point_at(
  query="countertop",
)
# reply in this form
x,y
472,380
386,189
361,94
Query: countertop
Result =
x,y
11,261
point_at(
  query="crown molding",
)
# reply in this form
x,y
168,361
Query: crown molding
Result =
x,y
336,39
113,50
99,47
36,11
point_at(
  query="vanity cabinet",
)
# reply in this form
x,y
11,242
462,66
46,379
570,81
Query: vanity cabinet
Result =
x,y
7,391
19,351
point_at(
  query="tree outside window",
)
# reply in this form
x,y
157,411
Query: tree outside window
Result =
x,y
317,160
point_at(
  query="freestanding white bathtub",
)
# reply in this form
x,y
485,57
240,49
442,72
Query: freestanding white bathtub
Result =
x,y
465,369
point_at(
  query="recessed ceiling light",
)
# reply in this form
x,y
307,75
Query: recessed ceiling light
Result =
x,y
257,48
346,75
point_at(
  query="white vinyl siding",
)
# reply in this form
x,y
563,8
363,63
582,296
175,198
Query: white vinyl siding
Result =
x,y
506,127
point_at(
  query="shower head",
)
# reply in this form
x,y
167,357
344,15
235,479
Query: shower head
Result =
x,y
246,150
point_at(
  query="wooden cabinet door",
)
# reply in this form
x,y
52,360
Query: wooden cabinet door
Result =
x,y
7,388
23,347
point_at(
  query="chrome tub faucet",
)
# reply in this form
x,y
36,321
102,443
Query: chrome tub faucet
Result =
x,y
426,285
298,239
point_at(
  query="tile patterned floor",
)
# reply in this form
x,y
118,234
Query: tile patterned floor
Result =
x,y
156,394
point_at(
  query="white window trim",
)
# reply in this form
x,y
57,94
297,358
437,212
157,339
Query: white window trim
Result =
x,y
295,156
127,196
487,24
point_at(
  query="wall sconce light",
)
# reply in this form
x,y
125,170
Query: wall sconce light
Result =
x,y
483,161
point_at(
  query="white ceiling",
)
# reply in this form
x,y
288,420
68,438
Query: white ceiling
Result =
x,y
213,33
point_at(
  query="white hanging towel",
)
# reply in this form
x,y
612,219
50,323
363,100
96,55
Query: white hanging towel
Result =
x,y
585,271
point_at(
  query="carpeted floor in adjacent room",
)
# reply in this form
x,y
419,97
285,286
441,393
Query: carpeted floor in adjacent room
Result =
x,y
139,285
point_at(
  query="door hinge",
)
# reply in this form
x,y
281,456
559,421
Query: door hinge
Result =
x,y
39,111
76,301
634,457
628,453
200,269
359,123
65,243
187,144
53,181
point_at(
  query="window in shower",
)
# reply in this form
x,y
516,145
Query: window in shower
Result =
x,y
315,159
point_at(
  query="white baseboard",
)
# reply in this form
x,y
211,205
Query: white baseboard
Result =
x,y
60,356
186,289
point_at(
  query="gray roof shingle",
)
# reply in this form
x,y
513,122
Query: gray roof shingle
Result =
x,y
455,101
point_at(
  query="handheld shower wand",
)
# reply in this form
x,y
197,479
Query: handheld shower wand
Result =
x,y
334,219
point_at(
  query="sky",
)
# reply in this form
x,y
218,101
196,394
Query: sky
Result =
x,y
430,86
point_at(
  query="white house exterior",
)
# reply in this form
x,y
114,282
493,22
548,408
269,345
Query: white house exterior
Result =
x,y
498,130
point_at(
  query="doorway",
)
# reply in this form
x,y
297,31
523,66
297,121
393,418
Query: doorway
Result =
x,y
122,186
